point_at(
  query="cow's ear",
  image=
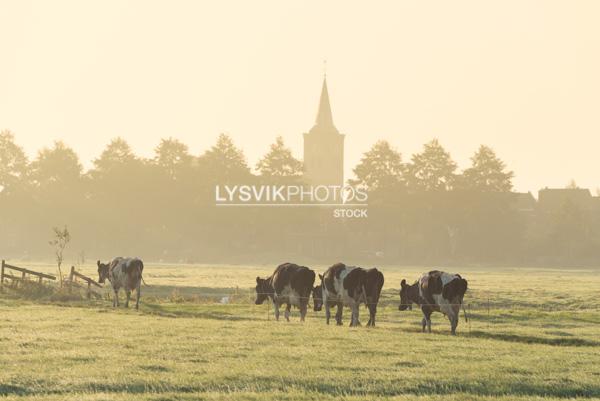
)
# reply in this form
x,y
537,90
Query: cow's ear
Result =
x,y
257,280
321,276
403,283
98,263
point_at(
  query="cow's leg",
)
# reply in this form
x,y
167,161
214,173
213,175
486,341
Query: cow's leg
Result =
x,y
276,307
287,312
453,317
115,297
355,313
372,312
426,318
128,294
303,308
327,312
453,324
137,296
339,313
353,316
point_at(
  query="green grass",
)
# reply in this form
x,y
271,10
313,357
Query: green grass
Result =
x,y
533,334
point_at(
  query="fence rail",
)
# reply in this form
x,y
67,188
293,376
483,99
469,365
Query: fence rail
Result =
x,y
75,274
24,272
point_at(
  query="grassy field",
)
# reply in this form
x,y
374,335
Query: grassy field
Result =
x,y
533,334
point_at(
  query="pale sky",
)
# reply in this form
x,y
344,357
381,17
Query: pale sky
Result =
x,y
520,76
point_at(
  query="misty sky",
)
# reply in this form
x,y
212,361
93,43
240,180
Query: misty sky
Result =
x,y
520,76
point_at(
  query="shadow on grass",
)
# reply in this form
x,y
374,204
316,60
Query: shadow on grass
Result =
x,y
9,389
517,338
371,388
198,312
189,292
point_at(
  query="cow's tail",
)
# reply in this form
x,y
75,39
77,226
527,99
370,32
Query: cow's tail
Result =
x,y
140,270
465,312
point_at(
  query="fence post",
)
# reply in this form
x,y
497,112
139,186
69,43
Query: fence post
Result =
x,y
71,274
2,277
488,313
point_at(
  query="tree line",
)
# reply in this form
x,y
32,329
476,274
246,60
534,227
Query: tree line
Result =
x,y
423,210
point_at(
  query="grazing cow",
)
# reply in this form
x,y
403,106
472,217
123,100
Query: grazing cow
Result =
x,y
435,291
343,285
125,273
289,284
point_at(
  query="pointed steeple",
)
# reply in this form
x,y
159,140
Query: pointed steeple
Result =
x,y
324,117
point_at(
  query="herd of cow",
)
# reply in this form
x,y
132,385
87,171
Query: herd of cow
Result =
x,y
340,285
353,286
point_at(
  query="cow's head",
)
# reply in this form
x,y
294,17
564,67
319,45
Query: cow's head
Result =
x,y
318,295
103,269
407,295
263,289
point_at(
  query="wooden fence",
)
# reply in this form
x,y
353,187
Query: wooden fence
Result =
x,y
75,274
5,274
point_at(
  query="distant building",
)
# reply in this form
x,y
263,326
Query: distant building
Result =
x,y
554,199
324,147
524,202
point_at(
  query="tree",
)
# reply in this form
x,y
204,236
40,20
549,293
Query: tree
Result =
x,y
13,162
380,167
572,184
279,162
117,154
432,169
224,161
57,167
171,156
487,172
60,241
571,232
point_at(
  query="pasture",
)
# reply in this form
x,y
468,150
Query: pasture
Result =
x,y
533,334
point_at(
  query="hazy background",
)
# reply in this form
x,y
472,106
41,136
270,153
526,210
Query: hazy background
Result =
x,y
520,76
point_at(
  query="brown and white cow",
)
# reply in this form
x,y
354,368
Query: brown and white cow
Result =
x,y
289,284
343,285
435,291
123,273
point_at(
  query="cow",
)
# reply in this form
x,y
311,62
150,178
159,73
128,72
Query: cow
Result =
x,y
435,291
343,285
123,273
289,284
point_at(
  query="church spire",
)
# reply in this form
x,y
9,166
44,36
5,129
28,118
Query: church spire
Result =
x,y
324,117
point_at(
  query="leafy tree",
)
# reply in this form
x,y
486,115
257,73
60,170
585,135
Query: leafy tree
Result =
x,y
380,167
224,161
570,236
279,162
171,156
432,169
57,167
572,184
487,172
13,162
117,154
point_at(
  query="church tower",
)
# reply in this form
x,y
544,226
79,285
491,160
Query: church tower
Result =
x,y
324,147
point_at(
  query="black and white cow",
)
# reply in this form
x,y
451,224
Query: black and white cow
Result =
x,y
343,285
289,284
435,291
123,273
